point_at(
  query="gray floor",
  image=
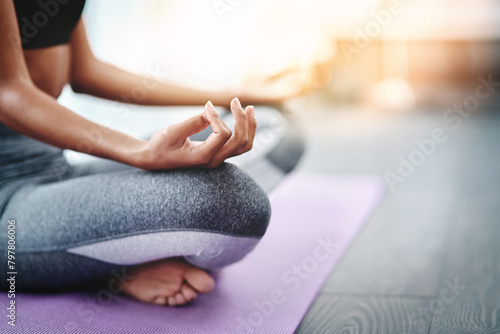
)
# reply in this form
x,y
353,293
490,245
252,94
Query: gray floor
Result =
x,y
428,260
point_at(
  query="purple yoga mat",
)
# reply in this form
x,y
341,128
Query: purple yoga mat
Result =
x,y
314,220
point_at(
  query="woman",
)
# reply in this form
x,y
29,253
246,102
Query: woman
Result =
x,y
152,217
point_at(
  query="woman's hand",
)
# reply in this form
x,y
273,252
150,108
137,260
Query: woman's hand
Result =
x,y
289,83
171,147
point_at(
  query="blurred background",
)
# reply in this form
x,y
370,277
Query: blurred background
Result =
x,y
388,54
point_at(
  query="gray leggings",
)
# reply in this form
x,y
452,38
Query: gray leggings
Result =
x,y
77,226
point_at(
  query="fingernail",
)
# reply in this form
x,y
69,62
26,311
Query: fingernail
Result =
x,y
252,110
237,101
211,107
204,116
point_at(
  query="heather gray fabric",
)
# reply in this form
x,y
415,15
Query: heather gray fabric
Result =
x,y
57,216
204,249
76,225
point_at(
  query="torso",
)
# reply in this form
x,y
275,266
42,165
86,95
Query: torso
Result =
x,y
46,46
50,67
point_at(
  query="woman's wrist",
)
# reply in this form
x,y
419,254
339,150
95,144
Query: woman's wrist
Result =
x,y
130,151
139,155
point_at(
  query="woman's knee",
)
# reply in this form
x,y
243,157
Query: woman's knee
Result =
x,y
223,200
238,203
237,219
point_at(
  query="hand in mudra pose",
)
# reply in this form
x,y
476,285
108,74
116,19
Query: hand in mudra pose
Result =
x,y
171,147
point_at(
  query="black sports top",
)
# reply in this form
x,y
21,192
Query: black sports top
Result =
x,y
45,23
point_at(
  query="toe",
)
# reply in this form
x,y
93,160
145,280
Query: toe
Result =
x,y
199,279
171,301
188,292
160,300
179,298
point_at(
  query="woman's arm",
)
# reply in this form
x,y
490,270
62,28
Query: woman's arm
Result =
x,y
29,111
91,76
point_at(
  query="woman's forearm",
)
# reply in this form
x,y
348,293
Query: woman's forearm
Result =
x,y
109,82
91,76
29,111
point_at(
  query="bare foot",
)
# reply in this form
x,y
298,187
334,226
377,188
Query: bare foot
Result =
x,y
170,282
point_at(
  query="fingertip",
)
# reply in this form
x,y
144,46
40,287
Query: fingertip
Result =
x,y
236,102
210,107
251,111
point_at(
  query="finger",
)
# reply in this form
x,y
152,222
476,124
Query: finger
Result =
x,y
252,128
240,126
238,144
279,75
191,125
217,139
